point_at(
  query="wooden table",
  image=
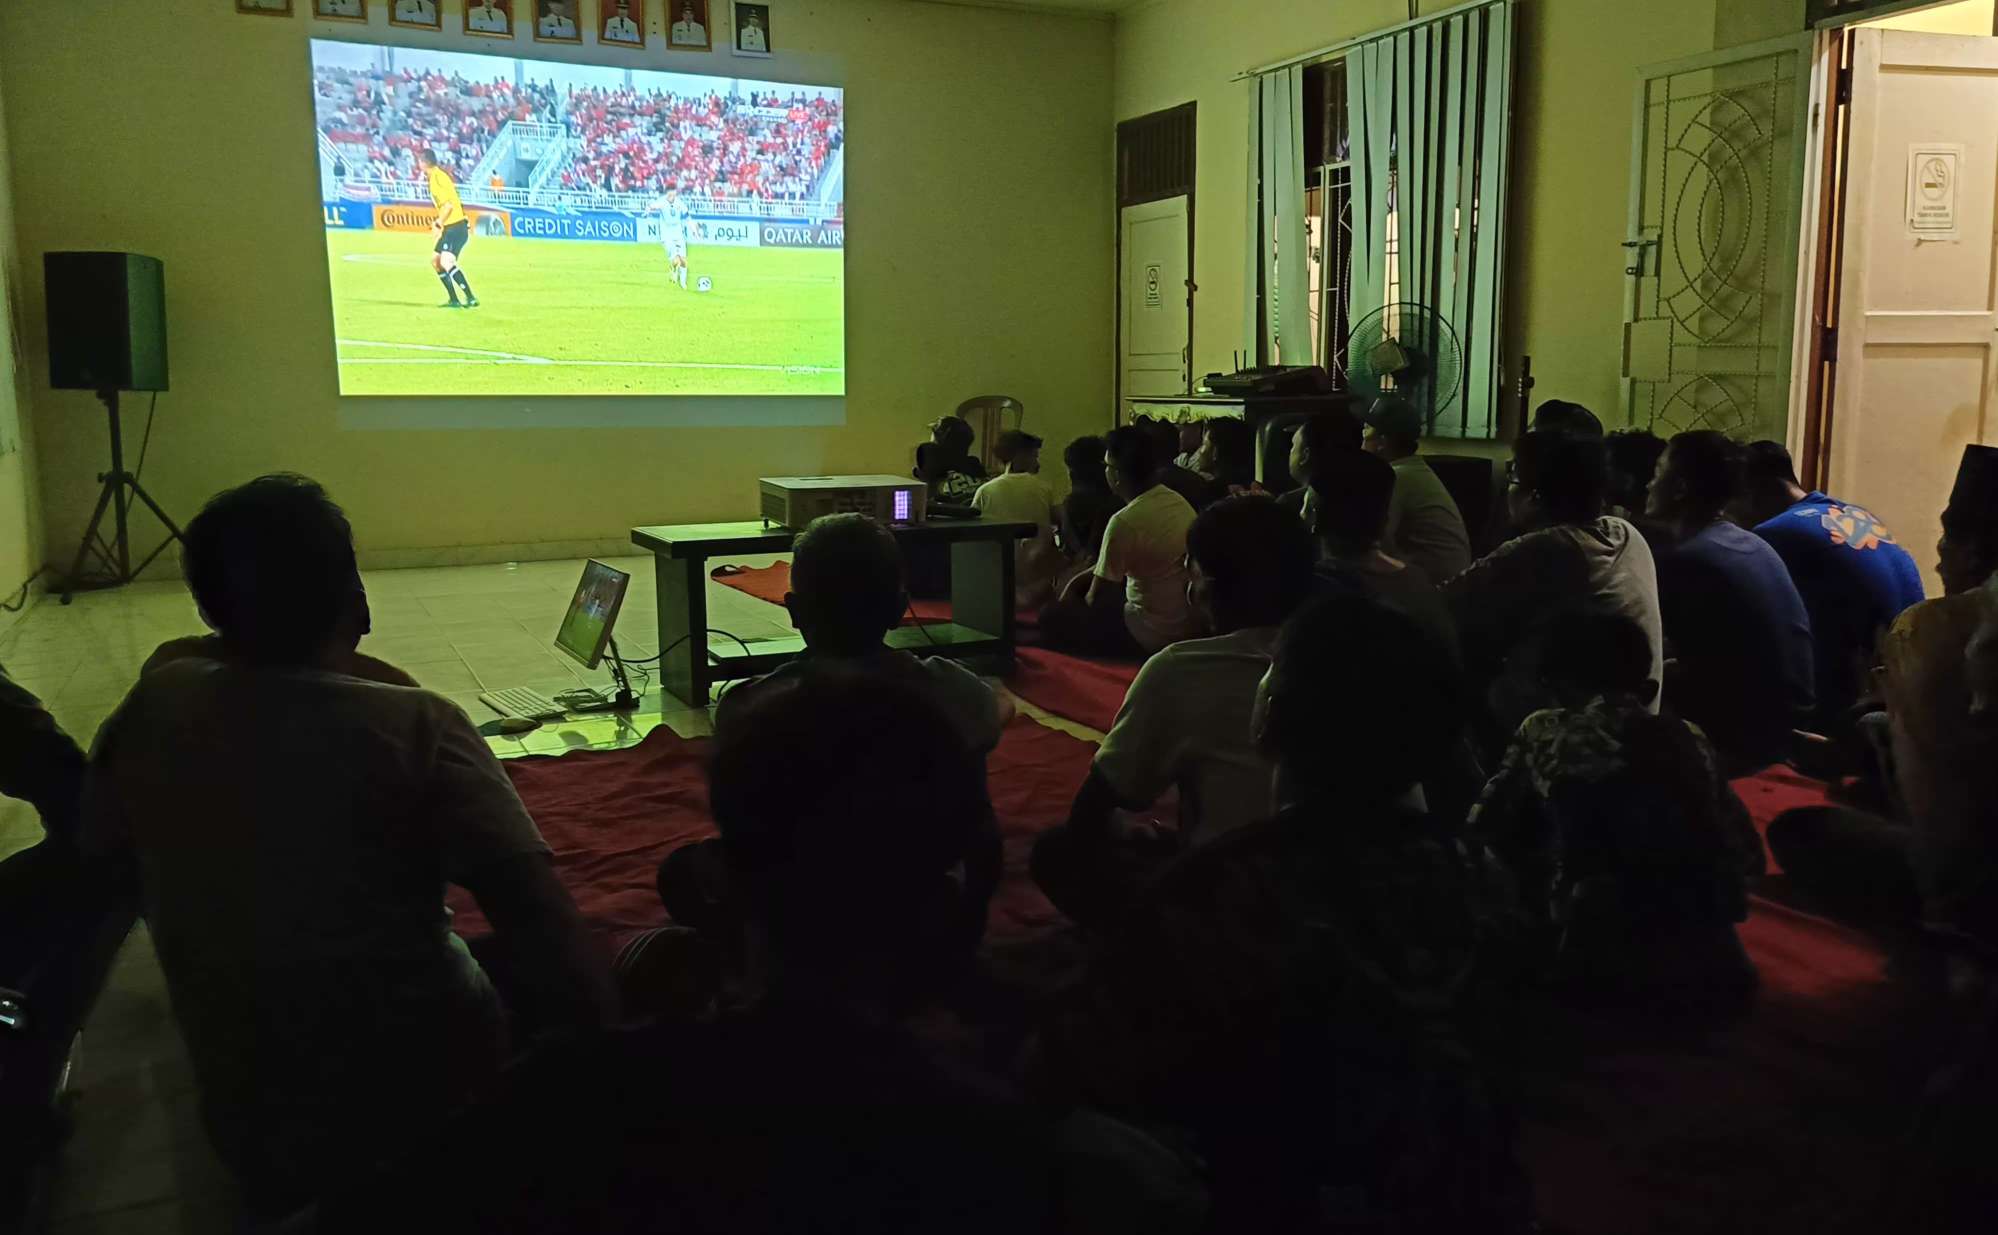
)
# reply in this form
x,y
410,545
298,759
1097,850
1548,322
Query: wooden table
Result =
x,y
694,658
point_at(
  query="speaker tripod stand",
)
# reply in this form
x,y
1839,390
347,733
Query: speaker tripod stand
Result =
x,y
114,555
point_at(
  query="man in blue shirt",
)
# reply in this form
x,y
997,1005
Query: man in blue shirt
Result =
x,y
1734,622
1855,578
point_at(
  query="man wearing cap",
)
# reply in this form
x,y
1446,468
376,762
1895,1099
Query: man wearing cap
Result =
x,y
1425,528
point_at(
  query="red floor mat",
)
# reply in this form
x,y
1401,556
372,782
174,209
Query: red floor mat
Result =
x,y
610,816
771,582
1088,692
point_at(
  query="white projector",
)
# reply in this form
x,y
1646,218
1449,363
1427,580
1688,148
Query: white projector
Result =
x,y
794,501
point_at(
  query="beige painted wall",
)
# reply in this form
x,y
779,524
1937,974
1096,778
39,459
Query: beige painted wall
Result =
x,y
979,261
20,507
1577,67
1971,17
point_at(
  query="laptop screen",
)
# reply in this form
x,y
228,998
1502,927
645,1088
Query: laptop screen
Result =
x,y
586,628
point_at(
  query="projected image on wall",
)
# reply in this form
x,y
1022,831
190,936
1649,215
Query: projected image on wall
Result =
x,y
499,226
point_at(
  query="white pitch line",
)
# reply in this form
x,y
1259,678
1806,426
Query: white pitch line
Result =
x,y
506,357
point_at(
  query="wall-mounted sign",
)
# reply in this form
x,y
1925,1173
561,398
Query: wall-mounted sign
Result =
x,y
1933,171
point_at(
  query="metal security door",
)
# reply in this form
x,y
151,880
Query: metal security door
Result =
x,y
1711,261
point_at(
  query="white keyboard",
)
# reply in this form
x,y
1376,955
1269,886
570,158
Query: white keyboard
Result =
x,y
520,701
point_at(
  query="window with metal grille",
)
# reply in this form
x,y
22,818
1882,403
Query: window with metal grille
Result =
x,y
1155,156
1328,211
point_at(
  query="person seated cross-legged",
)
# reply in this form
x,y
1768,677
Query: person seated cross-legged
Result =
x,y
821,1100
1134,601
1630,852
1302,998
294,827
1185,720
1743,660
846,595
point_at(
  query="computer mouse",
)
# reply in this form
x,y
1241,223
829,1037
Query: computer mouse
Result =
x,y
509,726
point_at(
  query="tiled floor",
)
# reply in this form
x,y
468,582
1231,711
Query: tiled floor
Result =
x,y
137,1161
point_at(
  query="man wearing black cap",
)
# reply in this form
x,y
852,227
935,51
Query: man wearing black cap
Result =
x,y
1425,528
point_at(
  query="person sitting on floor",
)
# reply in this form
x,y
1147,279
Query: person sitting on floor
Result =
x,y
1938,861
823,1099
846,595
1197,489
1425,528
294,828
1739,635
1185,720
1633,461
1134,602
1302,995
1630,852
1561,416
1571,557
1318,436
1854,577
1352,493
1082,515
1230,452
1019,495
946,465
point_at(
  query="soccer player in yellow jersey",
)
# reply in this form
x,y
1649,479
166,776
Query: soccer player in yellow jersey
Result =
x,y
452,229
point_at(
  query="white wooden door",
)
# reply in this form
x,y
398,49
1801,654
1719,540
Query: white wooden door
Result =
x,y
1918,313
1156,335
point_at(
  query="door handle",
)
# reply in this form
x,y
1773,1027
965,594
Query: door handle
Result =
x,y
1638,248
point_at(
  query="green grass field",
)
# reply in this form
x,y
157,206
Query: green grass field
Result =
x,y
570,317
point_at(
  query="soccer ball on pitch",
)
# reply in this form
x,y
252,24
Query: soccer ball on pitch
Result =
x,y
704,284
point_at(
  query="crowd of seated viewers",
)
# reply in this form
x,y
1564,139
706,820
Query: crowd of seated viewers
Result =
x,y
1413,788
628,141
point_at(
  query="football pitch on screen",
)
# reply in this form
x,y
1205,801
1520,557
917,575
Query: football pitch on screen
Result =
x,y
572,317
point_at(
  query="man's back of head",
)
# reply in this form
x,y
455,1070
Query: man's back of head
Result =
x,y
1352,492
1697,479
1134,457
1768,481
1561,416
1252,562
1562,475
271,565
846,584
1356,702
844,800
1083,458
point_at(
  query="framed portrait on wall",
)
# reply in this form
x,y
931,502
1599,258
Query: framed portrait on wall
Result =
x,y
689,28
623,23
555,21
489,19
416,14
752,29
340,10
266,8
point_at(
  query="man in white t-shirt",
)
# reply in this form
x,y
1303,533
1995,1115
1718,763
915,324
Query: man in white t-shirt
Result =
x,y
688,31
294,827
416,12
1185,722
555,21
487,18
620,28
1019,495
1134,603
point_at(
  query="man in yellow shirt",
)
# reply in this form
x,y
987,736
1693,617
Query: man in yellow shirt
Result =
x,y
452,229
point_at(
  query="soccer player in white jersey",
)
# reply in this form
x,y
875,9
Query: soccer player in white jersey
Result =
x,y
676,220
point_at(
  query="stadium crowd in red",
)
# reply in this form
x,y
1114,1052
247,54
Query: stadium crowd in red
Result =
x,y
393,116
766,147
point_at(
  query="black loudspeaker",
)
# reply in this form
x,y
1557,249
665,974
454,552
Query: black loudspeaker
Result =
x,y
107,321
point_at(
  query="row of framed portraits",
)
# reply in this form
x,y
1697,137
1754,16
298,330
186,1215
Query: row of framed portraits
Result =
x,y
619,23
